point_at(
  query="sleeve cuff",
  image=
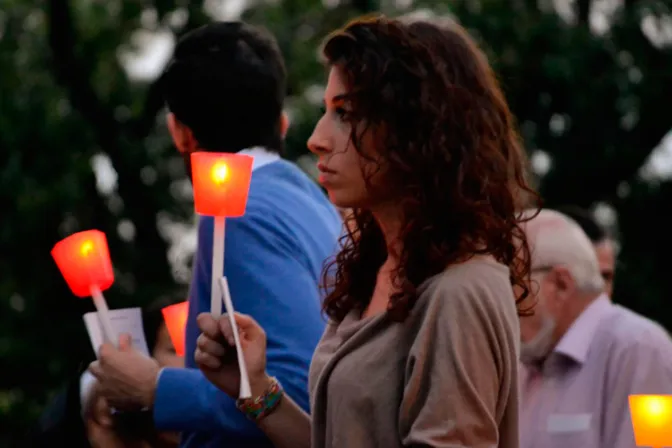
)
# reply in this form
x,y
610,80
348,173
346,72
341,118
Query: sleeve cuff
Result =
x,y
174,395
186,401
86,383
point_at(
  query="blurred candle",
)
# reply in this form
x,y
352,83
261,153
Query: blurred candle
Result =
x,y
175,317
651,419
84,261
221,184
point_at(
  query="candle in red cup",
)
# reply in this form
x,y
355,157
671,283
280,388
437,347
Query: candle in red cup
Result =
x,y
221,183
84,260
175,317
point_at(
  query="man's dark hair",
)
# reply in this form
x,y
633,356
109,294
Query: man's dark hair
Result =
x,y
226,82
585,219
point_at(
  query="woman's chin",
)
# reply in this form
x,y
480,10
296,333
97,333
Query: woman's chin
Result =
x,y
341,200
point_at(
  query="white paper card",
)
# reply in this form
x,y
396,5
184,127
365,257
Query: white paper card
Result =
x,y
564,423
125,320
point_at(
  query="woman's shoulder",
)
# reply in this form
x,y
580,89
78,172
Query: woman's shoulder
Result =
x,y
482,270
480,285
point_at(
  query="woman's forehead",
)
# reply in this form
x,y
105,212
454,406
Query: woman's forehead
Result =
x,y
335,84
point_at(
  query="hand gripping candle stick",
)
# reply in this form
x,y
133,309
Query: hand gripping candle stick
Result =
x,y
84,261
221,184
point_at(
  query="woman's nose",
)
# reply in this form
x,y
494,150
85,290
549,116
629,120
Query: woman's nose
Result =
x,y
318,143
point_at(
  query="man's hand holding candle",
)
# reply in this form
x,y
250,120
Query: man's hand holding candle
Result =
x,y
126,377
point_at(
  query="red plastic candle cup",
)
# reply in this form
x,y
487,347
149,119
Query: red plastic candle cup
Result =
x,y
84,261
175,317
221,183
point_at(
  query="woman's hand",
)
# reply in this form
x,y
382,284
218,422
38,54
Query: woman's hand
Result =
x,y
216,353
288,426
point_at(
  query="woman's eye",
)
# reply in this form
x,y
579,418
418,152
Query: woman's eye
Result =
x,y
341,112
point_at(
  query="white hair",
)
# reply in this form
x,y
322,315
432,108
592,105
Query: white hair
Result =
x,y
556,239
428,16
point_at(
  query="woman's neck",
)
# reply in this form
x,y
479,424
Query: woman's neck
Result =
x,y
389,220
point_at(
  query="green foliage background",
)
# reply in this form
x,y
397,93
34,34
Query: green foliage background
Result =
x,y
597,103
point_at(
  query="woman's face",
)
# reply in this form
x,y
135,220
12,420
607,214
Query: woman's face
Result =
x,y
343,170
164,352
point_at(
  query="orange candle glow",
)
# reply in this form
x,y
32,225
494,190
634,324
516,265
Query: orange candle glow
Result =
x,y
221,183
176,322
651,419
84,261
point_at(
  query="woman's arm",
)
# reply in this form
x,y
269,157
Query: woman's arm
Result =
x,y
462,370
288,426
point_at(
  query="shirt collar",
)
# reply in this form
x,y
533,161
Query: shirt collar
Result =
x,y
576,341
261,156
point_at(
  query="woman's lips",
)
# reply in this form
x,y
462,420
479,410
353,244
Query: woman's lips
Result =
x,y
326,174
324,169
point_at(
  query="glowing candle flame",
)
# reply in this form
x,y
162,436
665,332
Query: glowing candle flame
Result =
x,y
220,173
86,249
655,407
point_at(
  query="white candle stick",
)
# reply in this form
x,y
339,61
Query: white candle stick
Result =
x,y
104,316
245,389
217,265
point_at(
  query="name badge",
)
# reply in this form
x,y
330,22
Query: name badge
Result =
x,y
564,423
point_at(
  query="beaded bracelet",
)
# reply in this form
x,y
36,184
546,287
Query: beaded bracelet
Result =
x,y
259,407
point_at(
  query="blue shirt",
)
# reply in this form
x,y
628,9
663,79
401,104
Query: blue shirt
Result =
x,y
274,256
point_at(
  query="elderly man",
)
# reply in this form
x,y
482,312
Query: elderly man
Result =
x,y
582,354
603,243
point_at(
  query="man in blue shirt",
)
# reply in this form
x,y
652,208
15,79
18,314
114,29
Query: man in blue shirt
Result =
x,y
225,90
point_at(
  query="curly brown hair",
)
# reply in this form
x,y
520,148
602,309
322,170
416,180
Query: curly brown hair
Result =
x,y
449,139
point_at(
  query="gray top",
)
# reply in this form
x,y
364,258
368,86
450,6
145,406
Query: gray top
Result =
x,y
446,377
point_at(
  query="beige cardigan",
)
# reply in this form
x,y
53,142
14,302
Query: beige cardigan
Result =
x,y
447,377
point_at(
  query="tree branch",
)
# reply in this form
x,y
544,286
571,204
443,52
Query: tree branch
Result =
x,y
583,11
629,6
70,73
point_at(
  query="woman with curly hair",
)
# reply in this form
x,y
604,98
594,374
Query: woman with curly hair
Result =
x,y
422,346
